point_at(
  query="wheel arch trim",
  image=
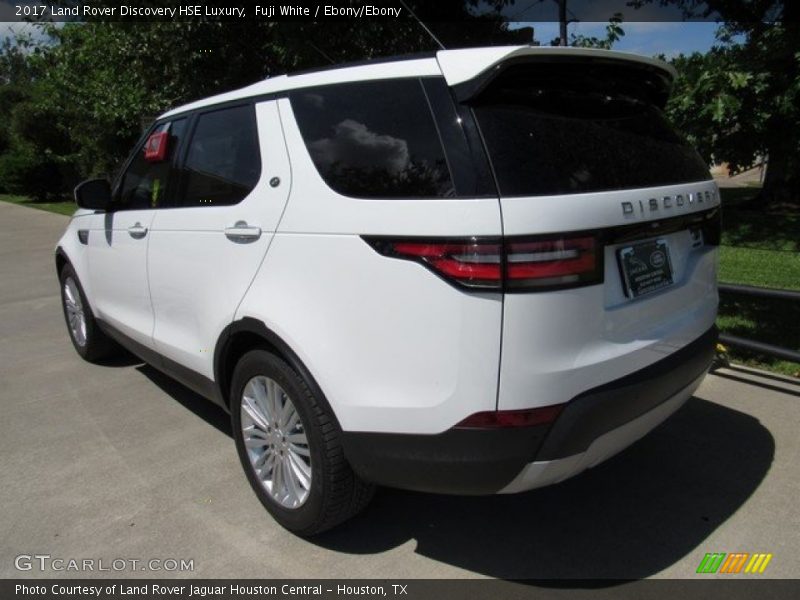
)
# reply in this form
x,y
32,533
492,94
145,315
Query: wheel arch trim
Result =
x,y
257,328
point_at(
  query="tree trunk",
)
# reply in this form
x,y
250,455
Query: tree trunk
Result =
x,y
781,182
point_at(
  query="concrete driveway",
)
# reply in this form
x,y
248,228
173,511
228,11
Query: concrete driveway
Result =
x,y
118,462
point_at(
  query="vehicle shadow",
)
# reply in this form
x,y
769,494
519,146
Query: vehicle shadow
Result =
x,y
628,518
763,385
121,358
205,409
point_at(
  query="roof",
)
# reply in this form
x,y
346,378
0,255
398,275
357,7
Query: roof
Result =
x,y
457,66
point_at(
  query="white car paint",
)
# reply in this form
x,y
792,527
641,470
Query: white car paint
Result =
x,y
394,348
198,276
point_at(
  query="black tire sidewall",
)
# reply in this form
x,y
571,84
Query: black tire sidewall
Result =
x,y
261,362
86,351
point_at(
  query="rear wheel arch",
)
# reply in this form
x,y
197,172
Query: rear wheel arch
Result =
x,y
249,334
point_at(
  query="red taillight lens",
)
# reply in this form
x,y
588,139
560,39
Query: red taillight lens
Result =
x,y
474,264
552,263
512,418
518,265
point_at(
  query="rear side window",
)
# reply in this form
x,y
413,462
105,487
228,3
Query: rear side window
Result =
x,y
374,139
562,129
223,163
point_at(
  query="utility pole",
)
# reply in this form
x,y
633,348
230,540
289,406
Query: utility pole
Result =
x,y
562,22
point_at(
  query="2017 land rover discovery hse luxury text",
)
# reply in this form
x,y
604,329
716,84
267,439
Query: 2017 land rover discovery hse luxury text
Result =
x,y
478,272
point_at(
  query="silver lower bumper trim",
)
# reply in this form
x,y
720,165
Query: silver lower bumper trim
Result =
x,y
542,473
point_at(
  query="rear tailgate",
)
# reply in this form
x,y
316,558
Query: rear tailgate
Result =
x,y
610,221
560,343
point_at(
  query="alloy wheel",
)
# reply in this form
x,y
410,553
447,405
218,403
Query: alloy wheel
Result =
x,y
276,442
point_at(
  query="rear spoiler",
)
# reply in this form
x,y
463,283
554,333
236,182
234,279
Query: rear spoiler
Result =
x,y
469,71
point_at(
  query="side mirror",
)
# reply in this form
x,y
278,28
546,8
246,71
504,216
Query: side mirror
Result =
x,y
94,194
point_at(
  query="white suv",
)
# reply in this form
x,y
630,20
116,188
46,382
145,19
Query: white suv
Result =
x,y
476,272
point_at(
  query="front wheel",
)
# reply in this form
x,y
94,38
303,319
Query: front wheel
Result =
x,y
289,445
87,338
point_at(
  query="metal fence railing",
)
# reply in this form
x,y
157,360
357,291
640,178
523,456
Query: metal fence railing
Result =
x,y
752,345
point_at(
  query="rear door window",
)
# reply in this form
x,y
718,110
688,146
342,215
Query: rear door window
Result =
x,y
223,161
374,139
561,129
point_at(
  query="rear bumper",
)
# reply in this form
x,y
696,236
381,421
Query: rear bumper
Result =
x,y
592,427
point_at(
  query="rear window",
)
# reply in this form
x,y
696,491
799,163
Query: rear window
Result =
x,y
562,129
374,139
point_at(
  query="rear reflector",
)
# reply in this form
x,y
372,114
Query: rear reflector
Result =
x,y
516,265
512,418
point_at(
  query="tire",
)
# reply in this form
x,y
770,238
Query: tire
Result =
x,y
318,494
89,341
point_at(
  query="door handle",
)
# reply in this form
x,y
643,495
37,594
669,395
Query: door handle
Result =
x,y
242,232
137,232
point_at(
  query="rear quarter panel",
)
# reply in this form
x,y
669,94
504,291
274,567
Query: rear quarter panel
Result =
x,y
393,347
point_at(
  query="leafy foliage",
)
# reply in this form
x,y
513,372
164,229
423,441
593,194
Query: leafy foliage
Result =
x,y
614,33
741,100
78,103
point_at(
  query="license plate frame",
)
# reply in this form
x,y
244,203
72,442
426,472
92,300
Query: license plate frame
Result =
x,y
645,267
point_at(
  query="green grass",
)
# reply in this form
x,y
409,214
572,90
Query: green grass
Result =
x,y
65,207
762,268
774,322
763,250
734,197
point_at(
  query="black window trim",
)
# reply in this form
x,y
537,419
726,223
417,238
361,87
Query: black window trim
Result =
x,y
478,162
438,128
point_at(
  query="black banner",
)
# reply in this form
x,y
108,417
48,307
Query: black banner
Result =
x,y
408,589
362,10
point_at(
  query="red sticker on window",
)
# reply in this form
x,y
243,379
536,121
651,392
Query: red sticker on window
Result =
x,y
155,149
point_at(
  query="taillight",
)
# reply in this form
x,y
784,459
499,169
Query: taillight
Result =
x,y
560,262
472,263
495,419
516,265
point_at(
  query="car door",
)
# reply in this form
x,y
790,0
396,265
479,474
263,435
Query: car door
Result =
x,y
118,239
206,249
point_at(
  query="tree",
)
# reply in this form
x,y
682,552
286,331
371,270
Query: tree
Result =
x,y
100,82
614,33
23,168
742,100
